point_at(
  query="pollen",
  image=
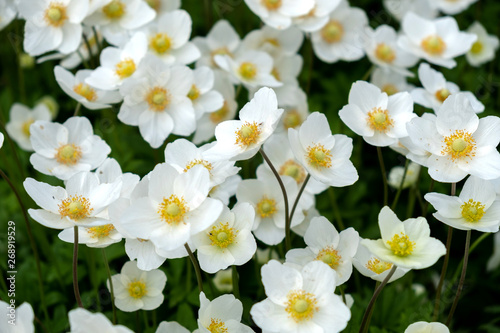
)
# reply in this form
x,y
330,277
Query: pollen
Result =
x,y
114,10
292,119
25,128
219,115
248,134
390,89
55,15
442,94
217,326
160,43
477,48
125,68
401,245
385,53
173,209
332,32
330,256
248,71
379,120
157,99
85,91
433,45
271,4
222,235
68,154
472,211
205,163
293,169
266,207
378,266
459,145
319,157
101,231
194,93
137,289
301,305
75,207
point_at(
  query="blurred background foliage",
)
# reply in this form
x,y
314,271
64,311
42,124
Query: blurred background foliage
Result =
x,y
356,206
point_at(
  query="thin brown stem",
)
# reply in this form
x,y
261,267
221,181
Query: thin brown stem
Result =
x,y
75,268
298,196
384,175
400,188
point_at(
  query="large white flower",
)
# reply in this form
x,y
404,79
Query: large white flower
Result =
x,y
457,141
325,156
483,50
83,321
20,120
405,244
62,150
279,13
437,41
424,327
317,17
16,320
476,208
300,300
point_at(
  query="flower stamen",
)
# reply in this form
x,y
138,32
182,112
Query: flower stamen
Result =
x,y
173,209
301,305
472,211
401,245
319,157
75,207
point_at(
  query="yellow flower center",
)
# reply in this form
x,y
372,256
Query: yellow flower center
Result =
x,y
379,120
222,235
330,256
125,68
477,47
319,157
86,91
173,209
25,128
272,41
101,231
401,245
385,53
442,94
55,15
301,306
157,99
114,10
390,89
459,145
332,32
155,4
293,169
137,289
434,45
292,119
271,4
160,43
220,115
266,207
472,211
220,51
248,134
75,207
248,71
276,74
205,163
217,326
378,266
194,93
68,154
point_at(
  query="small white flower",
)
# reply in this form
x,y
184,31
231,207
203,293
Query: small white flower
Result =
x,y
98,236
135,289
171,327
452,7
223,280
23,315
83,321
204,97
494,260
144,252
279,13
226,190
8,12
274,42
396,175
389,82
483,50
317,17
163,6
399,8
20,120
425,327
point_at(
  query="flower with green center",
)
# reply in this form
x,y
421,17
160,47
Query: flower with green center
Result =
x,y
485,47
20,120
221,315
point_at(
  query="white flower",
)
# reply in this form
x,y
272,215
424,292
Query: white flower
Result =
x,y
274,42
76,87
226,190
241,139
396,175
405,244
425,327
22,317
379,118
294,102
99,236
494,260
163,6
171,327
223,314
145,253
8,12
279,13
223,280
169,38
204,97
136,289
399,8
452,7
483,50
20,120
389,82
155,99
52,25
1,139
437,41
458,142
476,208
77,205
83,321
370,266
300,300
324,243
339,38
325,156
110,171
436,90
63,150
317,17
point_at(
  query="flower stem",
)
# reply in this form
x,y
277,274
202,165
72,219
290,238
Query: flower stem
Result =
x,y
77,109
298,196
384,176
377,284
236,287
196,267
335,209
111,289
75,268
462,279
365,322
400,188
288,242
472,247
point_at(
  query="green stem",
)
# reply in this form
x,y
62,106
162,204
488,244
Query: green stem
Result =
x,y
384,175
472,247
196,267
111,289
335,209
236,287
77,109
97,41
426,203
298,196
368,72
400,188
75,268
377,284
